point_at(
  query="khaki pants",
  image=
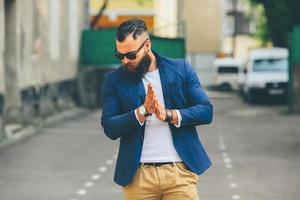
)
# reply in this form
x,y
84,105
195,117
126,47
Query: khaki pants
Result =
x,y
166,182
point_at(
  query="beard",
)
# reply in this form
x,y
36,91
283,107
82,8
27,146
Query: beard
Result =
x,y
141,68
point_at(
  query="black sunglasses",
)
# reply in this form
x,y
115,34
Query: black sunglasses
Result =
x,y
130,55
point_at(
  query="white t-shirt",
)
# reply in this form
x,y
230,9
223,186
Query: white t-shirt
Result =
x,y
158,143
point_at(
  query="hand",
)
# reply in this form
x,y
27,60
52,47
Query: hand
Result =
x,y
149,101
160,111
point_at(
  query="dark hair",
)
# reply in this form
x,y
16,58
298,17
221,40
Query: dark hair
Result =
x,y
135,26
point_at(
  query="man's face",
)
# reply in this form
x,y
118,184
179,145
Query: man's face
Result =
x,y
139,64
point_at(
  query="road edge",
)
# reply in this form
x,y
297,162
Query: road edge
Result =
x,y
40,123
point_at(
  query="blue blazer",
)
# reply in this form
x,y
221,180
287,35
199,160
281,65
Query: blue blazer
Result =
x,y
122,94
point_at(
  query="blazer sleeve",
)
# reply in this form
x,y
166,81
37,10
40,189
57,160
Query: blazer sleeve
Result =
x,y
115,123
200,110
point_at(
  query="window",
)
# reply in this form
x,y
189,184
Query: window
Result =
x,y
228,70
270,65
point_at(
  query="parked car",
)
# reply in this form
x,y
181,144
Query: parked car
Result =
x,y
266,74
226,72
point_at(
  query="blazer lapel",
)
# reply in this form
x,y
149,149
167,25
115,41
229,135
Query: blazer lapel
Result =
x,y
164,83
141,93
135,90
137,93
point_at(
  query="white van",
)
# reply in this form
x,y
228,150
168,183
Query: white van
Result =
x,y
266,74
226,73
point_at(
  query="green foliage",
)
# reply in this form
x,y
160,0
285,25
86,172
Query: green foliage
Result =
x,y
261,25
281,17
140,2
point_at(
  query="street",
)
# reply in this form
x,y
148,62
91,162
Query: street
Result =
x,y
254,149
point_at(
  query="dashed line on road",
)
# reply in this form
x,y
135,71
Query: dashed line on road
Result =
x,y
89,184
225,154
228,165
109,162
236,196
81,192
233,185
96,176
222,147
227,160
102,169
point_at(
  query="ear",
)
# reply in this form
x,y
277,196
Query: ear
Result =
x,y
148,45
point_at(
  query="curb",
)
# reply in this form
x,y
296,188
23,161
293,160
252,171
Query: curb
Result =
x,y
38,124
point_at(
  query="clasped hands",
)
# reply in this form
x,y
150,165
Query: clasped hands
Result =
x,y
153,106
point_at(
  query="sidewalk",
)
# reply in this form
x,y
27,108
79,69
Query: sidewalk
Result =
x,y
1,132
18,133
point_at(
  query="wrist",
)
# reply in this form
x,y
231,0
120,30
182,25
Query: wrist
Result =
x,y
141,117
142,110
175,117
169,116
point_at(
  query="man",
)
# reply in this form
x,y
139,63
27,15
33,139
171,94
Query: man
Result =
x,y
153,103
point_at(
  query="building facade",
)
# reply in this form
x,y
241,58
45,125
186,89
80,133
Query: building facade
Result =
x,y
39,45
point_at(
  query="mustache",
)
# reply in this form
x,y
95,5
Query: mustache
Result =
x,y
141,68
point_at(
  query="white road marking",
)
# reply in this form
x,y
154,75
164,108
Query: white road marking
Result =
x,y
102,169
233,185
109,162
88,184
228,165
223,147
236,196
227,160
81,192
225,154
96,176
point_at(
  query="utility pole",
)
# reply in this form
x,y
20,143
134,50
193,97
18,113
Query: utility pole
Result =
x,y
234,34
87,14
12,97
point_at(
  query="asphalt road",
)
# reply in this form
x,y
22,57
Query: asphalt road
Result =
x,y
255,154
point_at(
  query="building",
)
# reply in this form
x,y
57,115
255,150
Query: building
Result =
x,y
39,45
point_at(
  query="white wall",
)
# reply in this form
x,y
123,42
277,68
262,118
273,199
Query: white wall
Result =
x,y
48,48
2,29
204,35
165,21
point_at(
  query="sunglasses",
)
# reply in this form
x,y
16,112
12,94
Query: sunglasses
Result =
x,y
130,55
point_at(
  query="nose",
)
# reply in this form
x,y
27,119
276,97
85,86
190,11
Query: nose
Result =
x,y
126,60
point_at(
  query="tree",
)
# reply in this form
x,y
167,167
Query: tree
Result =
x,y
281,17
99,15
103,7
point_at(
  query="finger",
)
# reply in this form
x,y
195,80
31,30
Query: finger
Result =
x,y
154,99
148,88
151,88
150,85
151,93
